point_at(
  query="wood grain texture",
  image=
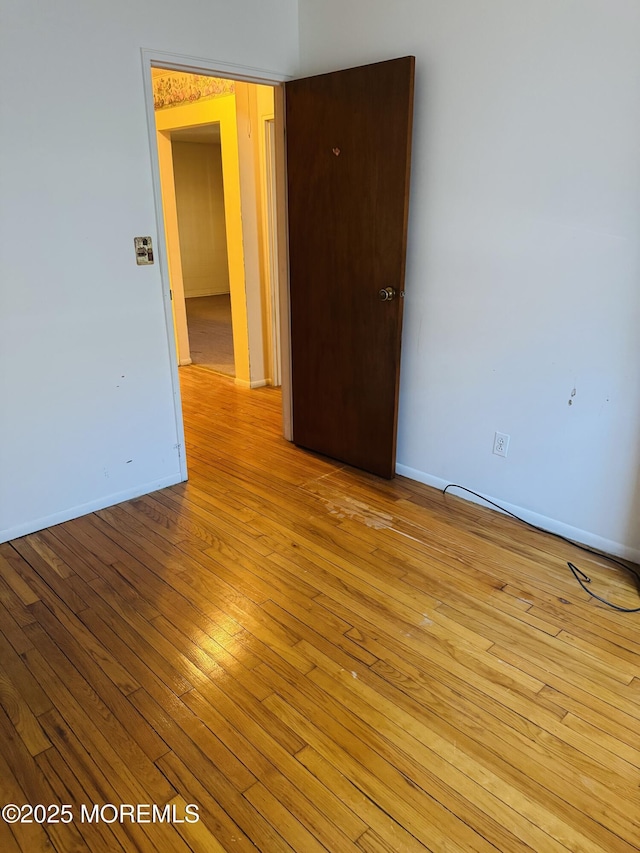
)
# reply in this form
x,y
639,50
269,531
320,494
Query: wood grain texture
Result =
x,y
318,659
348,137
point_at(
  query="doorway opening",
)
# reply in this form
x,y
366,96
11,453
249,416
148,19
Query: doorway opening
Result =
x,y
215,142
199,191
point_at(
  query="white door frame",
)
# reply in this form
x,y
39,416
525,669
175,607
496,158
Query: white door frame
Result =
x,y
271,260
212,67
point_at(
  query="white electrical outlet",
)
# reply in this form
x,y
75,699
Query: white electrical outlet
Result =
x,y
501,444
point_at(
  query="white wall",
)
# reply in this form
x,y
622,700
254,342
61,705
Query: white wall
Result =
x,y
197,168
523,278
86,408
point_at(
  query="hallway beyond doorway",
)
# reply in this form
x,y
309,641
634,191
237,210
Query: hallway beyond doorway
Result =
x,y
231,127
211,332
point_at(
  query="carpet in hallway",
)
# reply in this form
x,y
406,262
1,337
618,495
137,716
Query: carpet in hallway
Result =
x,y
210,332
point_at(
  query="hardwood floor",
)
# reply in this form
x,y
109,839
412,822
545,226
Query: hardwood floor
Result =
x,y
317,659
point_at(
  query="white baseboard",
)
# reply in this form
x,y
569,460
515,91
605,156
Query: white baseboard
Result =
x,y
185,361
84,509
584,537
255,383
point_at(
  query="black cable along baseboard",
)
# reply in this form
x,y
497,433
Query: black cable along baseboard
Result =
x,y
578,574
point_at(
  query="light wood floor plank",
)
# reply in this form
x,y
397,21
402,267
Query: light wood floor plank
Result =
x,y
216,818
272,763
523,782
67,787
391,832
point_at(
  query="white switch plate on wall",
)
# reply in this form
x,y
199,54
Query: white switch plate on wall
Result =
x,y
144,250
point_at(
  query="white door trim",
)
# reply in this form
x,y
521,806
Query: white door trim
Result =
x,y
200,65
271,261
213,67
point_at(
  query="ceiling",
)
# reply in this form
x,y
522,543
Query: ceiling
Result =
x,y
206,133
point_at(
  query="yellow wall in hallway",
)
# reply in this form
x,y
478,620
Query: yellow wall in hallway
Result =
x,y
197,167
222,110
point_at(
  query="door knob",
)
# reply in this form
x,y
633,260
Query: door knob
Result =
x,y
386,294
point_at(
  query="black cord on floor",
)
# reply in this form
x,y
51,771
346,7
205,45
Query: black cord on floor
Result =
x,y
578,574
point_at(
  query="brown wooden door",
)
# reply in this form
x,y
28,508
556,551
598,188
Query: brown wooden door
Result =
x,y
348,138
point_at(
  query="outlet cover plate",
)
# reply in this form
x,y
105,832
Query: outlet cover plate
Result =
x,y
501,444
